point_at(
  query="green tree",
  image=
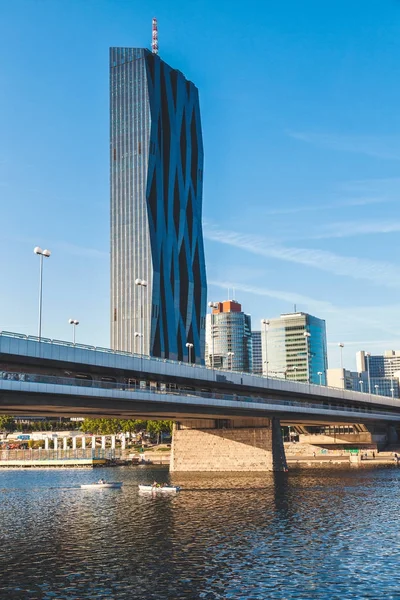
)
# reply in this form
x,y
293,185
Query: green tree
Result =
x,y
7,423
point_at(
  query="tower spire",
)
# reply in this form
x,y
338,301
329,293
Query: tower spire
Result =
x,y
154,40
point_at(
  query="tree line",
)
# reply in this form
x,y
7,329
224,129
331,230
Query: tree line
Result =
x,y
96,426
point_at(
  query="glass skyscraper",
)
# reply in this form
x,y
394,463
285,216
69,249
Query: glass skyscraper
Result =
x,y
257,353
296,348
158,276
229,341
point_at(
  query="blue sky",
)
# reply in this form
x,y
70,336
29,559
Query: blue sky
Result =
x,y
301,121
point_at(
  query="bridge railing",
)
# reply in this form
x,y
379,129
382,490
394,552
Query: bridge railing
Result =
x,y
33,338
70,454
110,385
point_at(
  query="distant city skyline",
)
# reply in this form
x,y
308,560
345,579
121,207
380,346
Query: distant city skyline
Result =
x,y
300,122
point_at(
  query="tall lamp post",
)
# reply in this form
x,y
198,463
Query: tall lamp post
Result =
x,y
189,346
320,377
139,335
361,384
230,359
376,389
307,336
141,283
212,305
46,254
74,323
368,354
391,378
265,322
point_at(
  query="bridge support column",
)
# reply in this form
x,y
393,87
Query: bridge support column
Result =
x,y
65,443
123,442
103,442
74,443
83,442
93,442
113,442
46,443
55,443
240,444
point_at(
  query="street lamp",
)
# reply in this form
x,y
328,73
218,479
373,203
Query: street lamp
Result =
x,y
139,335
189,346
265,322
361,384
376,389
320,377
230,356
307,336
74,323
341,346
391,378
141,283
368,355
212,305
41,253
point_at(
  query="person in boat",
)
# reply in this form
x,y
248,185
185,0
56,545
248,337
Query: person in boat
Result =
x,y
101,481
155,484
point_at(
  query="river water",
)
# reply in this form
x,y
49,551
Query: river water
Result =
x,y
326,534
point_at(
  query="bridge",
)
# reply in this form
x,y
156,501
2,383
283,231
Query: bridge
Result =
x,y
212,407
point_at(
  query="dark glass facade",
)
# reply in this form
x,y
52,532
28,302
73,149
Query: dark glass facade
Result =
x,y
156,175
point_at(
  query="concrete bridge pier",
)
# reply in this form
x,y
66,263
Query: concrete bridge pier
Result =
x,y
240,444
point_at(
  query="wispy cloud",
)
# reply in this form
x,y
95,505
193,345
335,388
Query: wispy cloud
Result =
x,y
347,318
355,228
378,272
386,147
289,297
328,205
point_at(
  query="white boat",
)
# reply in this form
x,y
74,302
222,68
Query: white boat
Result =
x,y
102,485
159,489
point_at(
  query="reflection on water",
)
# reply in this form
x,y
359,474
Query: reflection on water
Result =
x,y
304,535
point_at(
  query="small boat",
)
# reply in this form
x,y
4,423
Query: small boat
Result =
x,y
102,485
160,489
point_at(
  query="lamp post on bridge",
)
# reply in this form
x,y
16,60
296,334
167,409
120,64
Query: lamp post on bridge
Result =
x,y
391,362
139,335
368,355
74,323
376,386
189,346
265,322
46,254
212,305
142,284
307,336
230,359
361,384
320,377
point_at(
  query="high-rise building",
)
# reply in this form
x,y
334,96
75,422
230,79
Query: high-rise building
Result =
x,y
228,338
257,352
380,365
294,347
158,275
361,382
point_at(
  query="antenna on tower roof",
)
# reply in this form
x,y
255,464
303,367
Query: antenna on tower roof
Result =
x,y
154,40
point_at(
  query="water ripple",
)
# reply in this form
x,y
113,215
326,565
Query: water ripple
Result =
x,y
308,535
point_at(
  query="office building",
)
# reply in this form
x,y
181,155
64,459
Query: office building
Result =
x,y
294,347
360,382
257,352
229,343
384,365
158,275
